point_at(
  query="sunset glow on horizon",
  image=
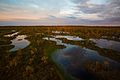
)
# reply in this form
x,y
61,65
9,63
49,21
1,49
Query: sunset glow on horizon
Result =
x,y
59,12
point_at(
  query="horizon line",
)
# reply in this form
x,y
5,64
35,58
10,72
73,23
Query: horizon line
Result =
x,y
60,25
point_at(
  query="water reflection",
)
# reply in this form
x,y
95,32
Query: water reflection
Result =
x,y
74,38
13,31
108,44
60,32
11,35
58,42
73,59
19,42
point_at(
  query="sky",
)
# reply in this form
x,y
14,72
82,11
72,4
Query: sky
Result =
x,y
59,12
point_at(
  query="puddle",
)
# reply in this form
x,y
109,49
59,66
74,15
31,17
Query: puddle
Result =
x,y
60,32
104,37
58,42
73,59
13,31
74,38
19,42
108,44
11,35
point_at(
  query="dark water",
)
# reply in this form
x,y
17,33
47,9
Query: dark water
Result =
x,y
73,58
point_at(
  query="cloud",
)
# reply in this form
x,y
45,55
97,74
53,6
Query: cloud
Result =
x,y
79,1
112,10
90,8
60,11
36,9
109,11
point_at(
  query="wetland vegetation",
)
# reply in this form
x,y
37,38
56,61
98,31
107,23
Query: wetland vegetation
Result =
x,y
59,53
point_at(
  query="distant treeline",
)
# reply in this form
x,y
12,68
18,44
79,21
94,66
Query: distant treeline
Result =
x,y
67,26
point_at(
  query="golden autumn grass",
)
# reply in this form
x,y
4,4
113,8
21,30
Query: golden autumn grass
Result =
x,y
34,62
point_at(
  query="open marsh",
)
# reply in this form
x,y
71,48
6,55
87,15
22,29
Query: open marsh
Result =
x,y
59,53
